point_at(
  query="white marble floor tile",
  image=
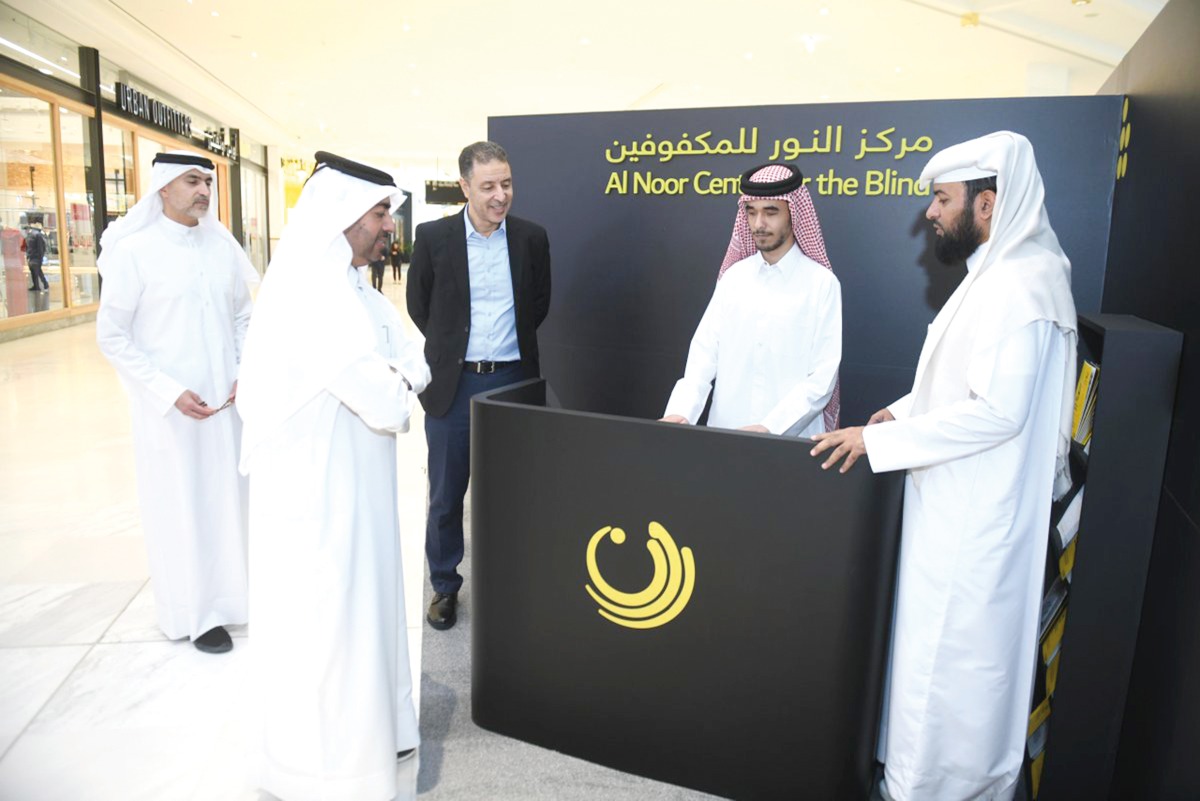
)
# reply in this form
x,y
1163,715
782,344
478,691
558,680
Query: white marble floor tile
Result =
x,y
157,764
28,677
88,560
139,621
60,614
19,548
77,514
122,686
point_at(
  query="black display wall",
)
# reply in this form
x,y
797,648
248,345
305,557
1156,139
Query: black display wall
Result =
x,y
640,205
1152,273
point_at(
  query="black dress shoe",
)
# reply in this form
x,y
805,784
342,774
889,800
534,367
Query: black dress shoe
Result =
x,y
401,756
442,612
214,641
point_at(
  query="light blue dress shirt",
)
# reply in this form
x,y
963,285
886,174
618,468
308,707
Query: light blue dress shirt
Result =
x,y
493,334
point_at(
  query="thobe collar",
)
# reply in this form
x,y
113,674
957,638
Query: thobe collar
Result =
x,y
976,258
354,277
179,230
789,262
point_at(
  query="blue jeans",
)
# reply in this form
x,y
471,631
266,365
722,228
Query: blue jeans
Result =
x,y
449,439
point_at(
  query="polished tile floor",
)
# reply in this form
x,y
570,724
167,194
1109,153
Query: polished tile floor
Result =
x,y
95,704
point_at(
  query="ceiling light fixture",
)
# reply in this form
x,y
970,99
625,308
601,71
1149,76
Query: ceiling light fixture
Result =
x,y
36,57
970,20
216,13
1081,2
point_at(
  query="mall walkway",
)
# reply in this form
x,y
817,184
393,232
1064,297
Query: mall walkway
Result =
x,y
95,704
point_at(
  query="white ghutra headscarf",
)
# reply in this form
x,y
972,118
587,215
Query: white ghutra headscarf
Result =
x,y
1022,241
309,324
149,209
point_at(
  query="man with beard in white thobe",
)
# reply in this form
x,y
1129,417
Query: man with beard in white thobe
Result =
x,y
771,336
984,436
327,382
173,314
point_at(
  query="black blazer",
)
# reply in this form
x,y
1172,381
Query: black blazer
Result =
x,y
439,298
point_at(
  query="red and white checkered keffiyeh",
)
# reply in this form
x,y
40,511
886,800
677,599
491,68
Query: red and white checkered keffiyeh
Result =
x,y
807,230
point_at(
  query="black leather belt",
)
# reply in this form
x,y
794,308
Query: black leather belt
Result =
x,y
486,367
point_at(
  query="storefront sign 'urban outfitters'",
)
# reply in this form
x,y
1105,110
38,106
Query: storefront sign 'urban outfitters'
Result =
x,y
155,112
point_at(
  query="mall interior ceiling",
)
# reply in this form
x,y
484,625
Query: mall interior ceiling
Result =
x,y
408,83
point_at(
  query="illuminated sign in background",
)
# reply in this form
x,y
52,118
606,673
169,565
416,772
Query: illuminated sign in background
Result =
x,y
640,206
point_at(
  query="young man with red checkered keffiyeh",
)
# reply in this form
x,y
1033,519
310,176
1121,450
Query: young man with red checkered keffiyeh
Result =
x,y
771,336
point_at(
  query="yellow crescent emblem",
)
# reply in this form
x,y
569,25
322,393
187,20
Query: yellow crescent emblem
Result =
x,y
665,596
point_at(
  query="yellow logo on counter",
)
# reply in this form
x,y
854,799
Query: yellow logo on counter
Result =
x,y
665,596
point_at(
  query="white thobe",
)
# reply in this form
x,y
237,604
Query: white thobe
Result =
x,y
772,338
327,591
978,437
173,315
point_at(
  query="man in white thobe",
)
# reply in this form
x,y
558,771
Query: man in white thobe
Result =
x,y
173,314
984,436
771,336
327,382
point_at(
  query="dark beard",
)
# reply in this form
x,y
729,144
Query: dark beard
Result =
x,y
778,243
957,243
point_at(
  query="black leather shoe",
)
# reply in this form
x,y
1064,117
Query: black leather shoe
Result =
x,y
214,641
402,756
442,612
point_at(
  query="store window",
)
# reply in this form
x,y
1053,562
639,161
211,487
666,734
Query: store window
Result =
x,y
29,42
147,150
119,189
254,217
78,224
28,214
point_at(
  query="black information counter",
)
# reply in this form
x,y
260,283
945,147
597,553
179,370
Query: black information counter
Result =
x,y
702,607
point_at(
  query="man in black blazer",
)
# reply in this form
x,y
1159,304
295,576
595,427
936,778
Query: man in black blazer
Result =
x,y
478,288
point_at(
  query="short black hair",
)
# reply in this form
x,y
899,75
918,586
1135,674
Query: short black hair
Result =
x,y
976,186
482,152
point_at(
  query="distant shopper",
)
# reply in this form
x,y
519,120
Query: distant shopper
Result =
x,y
328,380
35,254
377,266
984,439
173,314
397,259
478,288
